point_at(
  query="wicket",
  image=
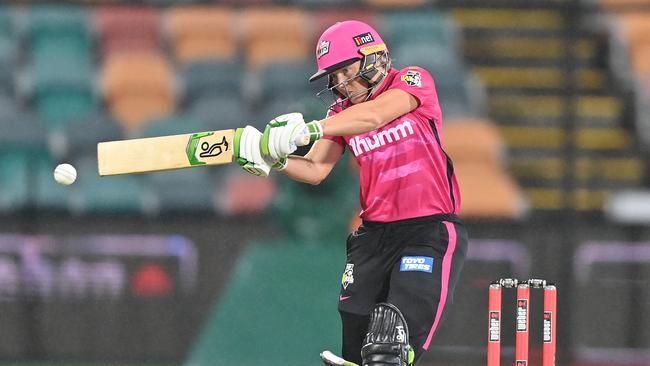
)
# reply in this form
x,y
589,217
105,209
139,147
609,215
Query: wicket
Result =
x,y
522,321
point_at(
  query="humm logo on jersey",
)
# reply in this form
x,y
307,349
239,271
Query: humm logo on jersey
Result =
x,y
419,264
362,145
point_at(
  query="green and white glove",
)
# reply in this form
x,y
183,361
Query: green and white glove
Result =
x,y
285,133
246,147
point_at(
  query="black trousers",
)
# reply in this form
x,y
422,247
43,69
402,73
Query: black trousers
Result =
x,y
413,264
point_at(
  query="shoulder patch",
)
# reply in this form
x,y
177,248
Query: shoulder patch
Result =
x,y
412,78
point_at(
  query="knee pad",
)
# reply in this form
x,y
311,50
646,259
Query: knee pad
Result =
x,y
387,340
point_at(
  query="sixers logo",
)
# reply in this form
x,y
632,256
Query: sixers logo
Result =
x,y
323,49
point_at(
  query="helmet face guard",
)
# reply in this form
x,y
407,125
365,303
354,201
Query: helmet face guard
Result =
x,y
368,72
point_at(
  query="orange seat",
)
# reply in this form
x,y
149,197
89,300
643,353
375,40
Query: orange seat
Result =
x,y
265,42
128,28
138,87
201,32
394,3
623,5
486,192
246,194
474,140
326,18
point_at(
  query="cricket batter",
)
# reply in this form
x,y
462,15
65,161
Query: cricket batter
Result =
x,y
404,261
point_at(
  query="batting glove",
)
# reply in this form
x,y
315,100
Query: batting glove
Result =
x,y
285,133
247,151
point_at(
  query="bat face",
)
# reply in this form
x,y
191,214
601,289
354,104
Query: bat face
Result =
x,y
165,152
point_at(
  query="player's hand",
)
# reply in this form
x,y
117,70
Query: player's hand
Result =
x,y
247,151
285,133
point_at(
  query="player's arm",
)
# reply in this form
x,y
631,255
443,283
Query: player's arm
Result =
x,y
280,134
317,164
367,116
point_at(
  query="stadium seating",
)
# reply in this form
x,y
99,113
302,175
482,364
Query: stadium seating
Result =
x,y
211,77
265,42
199,33
81,135
219,112
480,165
14,187
240,193
417,28
92,194
324,18
138,87
125,29
8,51
61,70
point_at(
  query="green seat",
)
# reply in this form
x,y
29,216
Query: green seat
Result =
x,y
307,212
184,190
8,55
82,135
451,77
14,187
286,79
59,105
63,92
213,77
420,27
105,195
219,112
48,194
7,22
19,130
291,314
64,27
174,125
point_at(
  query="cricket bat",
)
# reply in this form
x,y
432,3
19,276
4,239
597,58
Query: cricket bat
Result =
x,y
154,154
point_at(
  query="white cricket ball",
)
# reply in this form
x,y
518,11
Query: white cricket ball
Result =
x,y
65,174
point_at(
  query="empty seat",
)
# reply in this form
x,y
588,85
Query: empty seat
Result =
x,y
285,79
7,21
128,28
173,125
182,190
82,135
325,18
474,140
423,27
212,77
19,130
14,170
48,194
8,51
636,30
59,28
503,199
105,195
62,92
138,87
244,194
201,32
265,42
395,3
218,112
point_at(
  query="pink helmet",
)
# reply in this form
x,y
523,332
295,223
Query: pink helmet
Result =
x,y
343,43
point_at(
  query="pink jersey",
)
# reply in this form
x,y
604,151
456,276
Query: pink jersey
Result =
x,y
404,172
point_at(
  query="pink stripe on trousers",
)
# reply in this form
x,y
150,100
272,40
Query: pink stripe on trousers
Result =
x,y
446,273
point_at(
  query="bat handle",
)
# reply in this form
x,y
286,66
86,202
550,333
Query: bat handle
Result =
x,y
302,139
